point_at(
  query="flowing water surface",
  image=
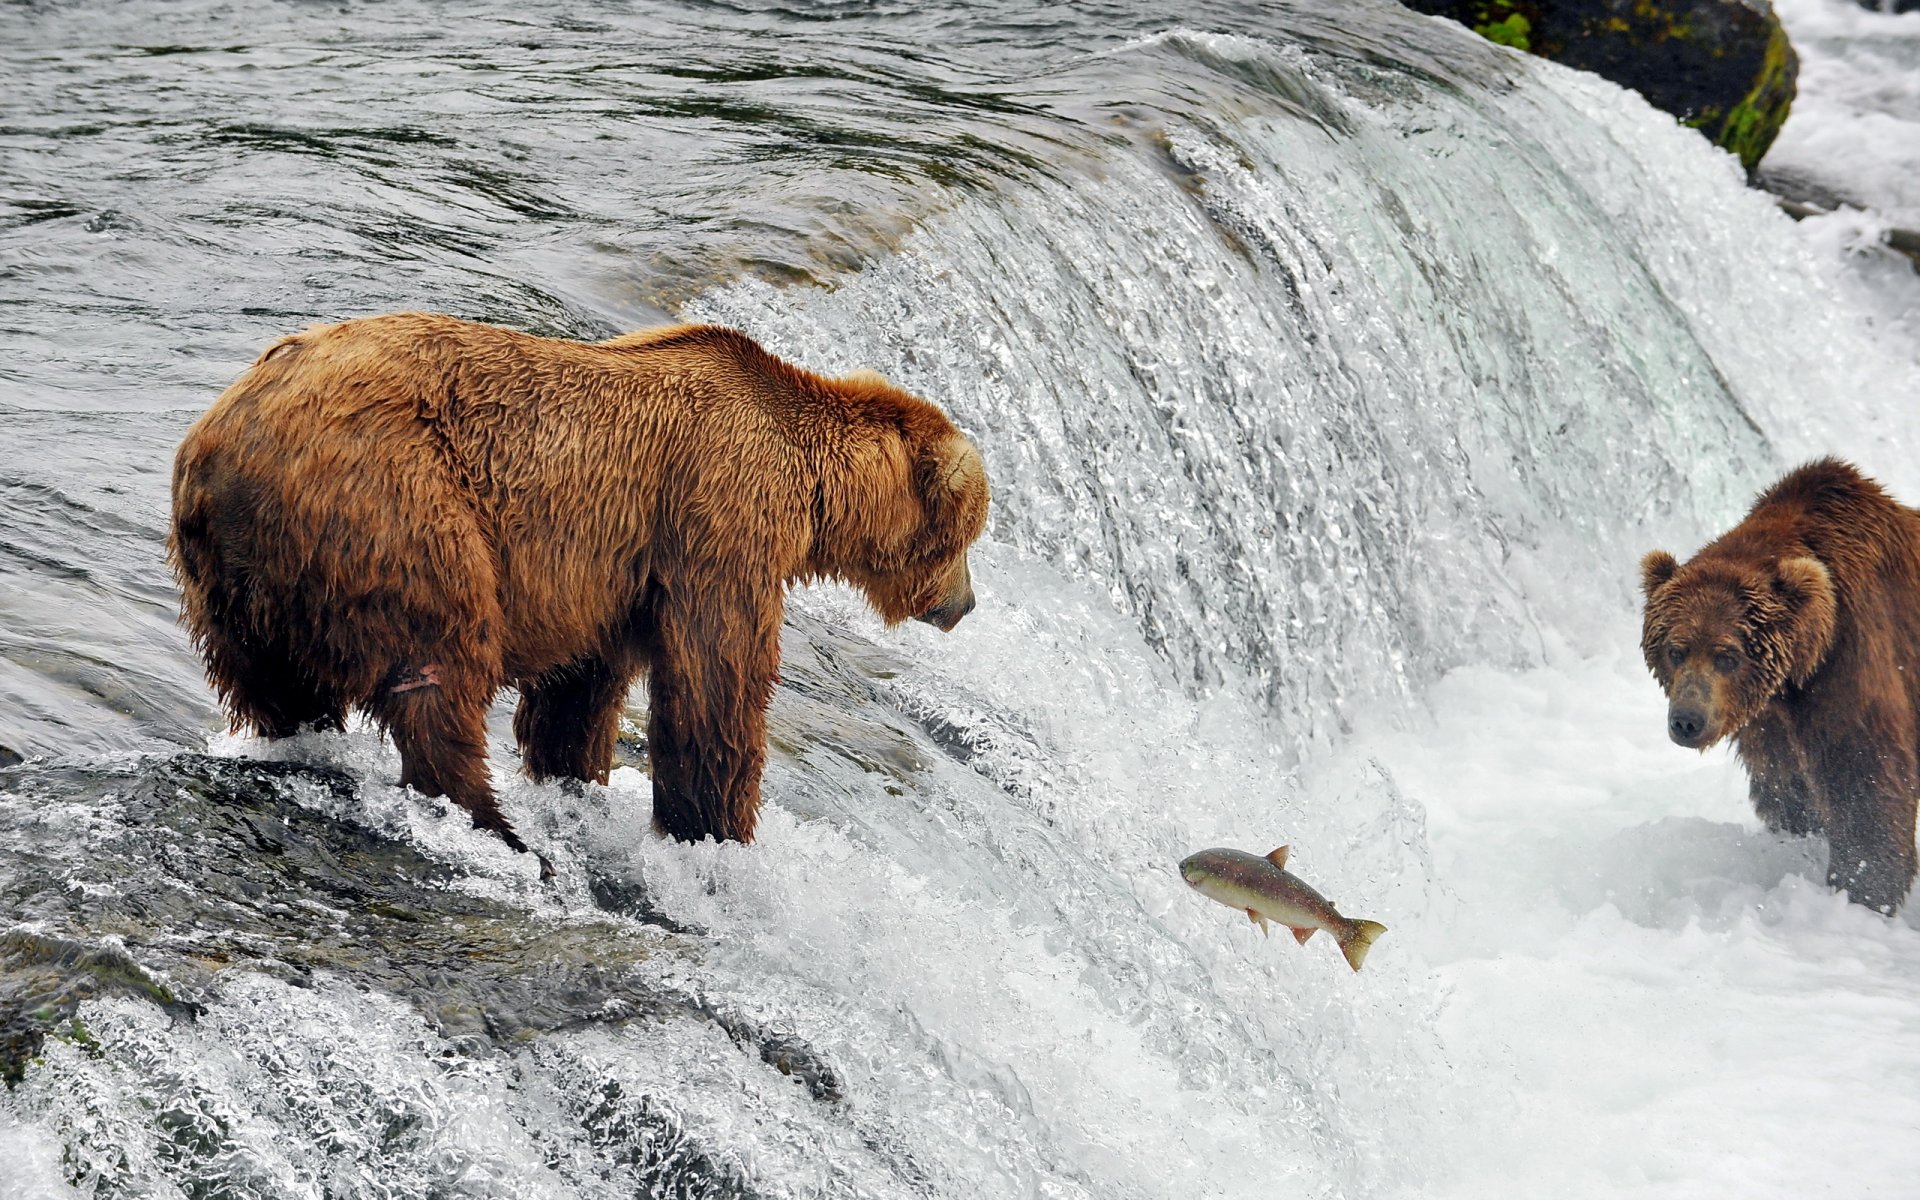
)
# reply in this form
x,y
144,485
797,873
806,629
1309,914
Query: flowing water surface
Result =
x,y
1332,368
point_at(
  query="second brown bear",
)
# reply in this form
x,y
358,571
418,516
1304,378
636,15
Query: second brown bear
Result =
x,y
406,513
1797,634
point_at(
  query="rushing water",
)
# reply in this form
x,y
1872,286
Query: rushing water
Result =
x,y
1316,351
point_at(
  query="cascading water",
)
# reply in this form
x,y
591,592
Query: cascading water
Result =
x,y
1297,391
1325,363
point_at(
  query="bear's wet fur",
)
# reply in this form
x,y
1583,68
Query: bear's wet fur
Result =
x,y
404,514
1797,634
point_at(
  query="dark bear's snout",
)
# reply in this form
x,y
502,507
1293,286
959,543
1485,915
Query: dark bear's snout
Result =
x,y
1687,725
1694,704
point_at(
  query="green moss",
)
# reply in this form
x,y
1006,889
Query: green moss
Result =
x,y
79,1035
1661,21
1753,123
1511,32
1681,61
1706,119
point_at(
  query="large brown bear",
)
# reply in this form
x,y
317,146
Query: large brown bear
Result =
x,y
406,513
1797,634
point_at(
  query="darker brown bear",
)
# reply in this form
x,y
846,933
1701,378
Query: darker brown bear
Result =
x,y
406,513
1797,634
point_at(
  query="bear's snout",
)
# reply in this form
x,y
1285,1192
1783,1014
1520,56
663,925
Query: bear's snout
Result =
x,y
1686,725
955,602
945,615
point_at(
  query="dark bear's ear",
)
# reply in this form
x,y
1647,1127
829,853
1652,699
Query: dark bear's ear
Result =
x,y
1655,569
1806,588
1799,580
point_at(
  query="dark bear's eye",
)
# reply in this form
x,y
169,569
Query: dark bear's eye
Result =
x,y
1676,655
1726,662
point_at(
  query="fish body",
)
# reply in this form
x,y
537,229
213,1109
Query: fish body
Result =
x,y
1266,891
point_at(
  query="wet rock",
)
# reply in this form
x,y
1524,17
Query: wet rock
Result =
x,y
43,981
630,898
1905,242
193,868
632,1130
214,865
1724,67
783,1052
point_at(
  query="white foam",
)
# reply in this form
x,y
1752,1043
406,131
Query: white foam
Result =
x,y
1646,992
1855,124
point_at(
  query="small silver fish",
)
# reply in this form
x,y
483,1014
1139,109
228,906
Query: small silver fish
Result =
x,y
1265,891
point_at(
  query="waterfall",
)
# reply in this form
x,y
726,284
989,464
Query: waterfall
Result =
x,y
1347,392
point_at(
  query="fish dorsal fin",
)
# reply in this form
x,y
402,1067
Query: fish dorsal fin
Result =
x,y
1279,857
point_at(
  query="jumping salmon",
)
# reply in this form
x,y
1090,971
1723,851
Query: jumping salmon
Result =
x,y
1265,891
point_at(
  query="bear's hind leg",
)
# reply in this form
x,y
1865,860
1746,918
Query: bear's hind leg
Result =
x,y
568,719
439,724
265,687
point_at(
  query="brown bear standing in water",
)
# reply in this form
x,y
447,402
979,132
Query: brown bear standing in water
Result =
x,y
1797,634
406,513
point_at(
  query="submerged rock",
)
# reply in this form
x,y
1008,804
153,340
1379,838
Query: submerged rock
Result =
x,y
1724,67
44,980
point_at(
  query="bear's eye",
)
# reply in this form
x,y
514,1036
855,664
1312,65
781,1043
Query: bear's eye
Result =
x,y
1726,662
1676,655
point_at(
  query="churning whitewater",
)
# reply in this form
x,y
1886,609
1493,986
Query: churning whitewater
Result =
x,y
1330,387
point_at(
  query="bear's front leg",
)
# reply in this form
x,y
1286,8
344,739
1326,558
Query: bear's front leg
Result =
x,y
1869,784
1777,781
715,654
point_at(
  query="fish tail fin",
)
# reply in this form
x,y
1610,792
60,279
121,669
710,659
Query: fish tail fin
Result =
x,y
1358,940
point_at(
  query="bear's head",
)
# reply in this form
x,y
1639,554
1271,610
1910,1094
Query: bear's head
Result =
x,y
1724,637
910,499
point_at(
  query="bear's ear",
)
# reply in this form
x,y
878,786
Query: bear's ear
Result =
x,y
953,487
1799,580
1655,569
1806,588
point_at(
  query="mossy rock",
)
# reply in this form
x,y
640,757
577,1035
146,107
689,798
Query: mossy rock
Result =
x,y
1724,67
43,981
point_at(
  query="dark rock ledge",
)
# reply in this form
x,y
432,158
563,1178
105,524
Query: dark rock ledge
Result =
x,y
1724,67
160,880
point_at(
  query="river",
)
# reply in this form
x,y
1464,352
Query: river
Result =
x,y
1332,369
